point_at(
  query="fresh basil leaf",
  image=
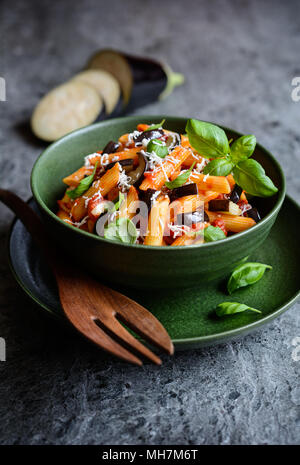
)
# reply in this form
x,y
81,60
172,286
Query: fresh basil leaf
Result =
x,y
242,148
122,230
251,177
246,274
118,203
213,233
230,308
156,126
218,167
157,146
208,139
181,179
83,185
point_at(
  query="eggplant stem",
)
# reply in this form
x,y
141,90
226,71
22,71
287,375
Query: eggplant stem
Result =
x,y
173,80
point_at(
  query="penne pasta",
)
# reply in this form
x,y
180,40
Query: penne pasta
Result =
x,y
211,183
232,223
170,164
130,204
157,221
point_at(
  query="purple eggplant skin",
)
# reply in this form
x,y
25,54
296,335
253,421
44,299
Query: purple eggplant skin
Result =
x,y
127,164
235,194
136,175
111,147
187,189
149,81
146,197
217,205
187,219
253,213
149,135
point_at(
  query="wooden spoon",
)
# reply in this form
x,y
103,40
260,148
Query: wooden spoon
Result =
x,y
95,310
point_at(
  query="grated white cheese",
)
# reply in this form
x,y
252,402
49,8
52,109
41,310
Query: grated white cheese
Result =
x,y
87,159
154,196
80,223
124,180
205,177
131,136
178,229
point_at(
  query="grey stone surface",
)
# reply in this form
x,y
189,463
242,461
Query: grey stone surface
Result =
x,y
239,58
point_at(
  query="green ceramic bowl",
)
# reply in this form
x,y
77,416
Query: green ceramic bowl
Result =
x,y
137,265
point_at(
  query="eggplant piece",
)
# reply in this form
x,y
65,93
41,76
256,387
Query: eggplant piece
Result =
x,y
126,164
187,189
187,219
254,214
224,206
111,147
148,135
142,80
173,141
104,83
146,196
235,194
67,107
136,176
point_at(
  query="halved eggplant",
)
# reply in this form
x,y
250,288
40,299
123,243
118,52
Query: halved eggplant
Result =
x,y
236,194
116,64
68,107
111,147
136,176
220,205
142,80
148,135
127,164
187,219
187,189
105,84
254,214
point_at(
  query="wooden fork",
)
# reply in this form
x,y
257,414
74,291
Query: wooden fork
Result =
x,y
95,310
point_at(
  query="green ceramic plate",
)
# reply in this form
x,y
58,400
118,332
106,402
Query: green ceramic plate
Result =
x,y
188,315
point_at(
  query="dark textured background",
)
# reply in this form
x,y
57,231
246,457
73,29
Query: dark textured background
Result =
x,y
239,58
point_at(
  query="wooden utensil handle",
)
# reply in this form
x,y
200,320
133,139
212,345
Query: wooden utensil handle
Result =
x,y
31,222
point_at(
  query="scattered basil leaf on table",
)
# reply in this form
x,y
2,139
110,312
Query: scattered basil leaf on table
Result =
x,y
156,126
157,146
242,148
181,179
83,185
230,308
218,167
211,142
208,139
251,177
213,233
245,275
121,230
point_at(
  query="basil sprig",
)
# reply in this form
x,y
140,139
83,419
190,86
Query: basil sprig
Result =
x,y
157,146
181,179
211,142
213,233
230,308
245,275
122,230
83,185
156,126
